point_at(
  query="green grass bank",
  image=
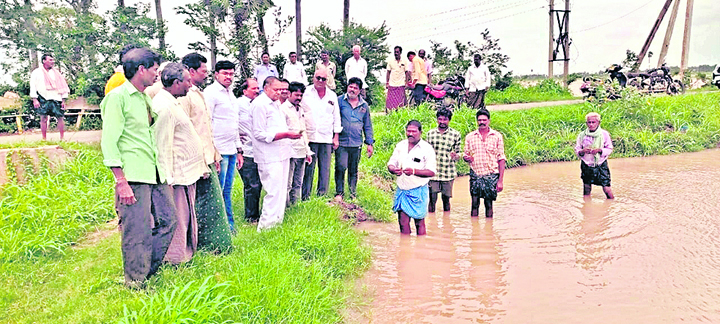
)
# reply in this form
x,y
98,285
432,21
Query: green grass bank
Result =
x,y
51,272
545,90
301,272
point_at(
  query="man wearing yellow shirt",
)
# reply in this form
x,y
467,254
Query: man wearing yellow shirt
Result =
x,y
118,78
419,78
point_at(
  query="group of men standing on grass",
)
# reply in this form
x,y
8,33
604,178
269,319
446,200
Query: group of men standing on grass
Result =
x,y
415,74
173,150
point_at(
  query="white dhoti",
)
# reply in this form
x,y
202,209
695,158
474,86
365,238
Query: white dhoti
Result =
x,y
274,179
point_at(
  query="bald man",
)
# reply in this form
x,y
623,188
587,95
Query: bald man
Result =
x,y
323,104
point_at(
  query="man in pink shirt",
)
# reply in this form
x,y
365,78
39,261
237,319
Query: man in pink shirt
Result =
x,y
593,146
485,152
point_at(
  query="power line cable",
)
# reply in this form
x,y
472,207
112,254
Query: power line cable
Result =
x,y
616,19
473,25
414,20
475,14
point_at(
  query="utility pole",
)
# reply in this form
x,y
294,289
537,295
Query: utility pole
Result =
x,y
649,40
686,38
566,43
562,43
346,14
668,34
552,40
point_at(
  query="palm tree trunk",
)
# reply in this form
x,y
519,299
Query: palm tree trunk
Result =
x,y
160,25
213,40
298,28
261,31
346,14
121,3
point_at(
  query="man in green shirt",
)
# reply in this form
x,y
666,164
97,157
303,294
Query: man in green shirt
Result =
x,y
144,204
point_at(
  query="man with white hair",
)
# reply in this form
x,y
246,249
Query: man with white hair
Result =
x,y
153,90
357,67
593,146
180,159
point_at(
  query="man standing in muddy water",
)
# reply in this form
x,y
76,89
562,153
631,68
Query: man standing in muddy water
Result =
x,y
145,206
413,161
593,146
485,152
446,142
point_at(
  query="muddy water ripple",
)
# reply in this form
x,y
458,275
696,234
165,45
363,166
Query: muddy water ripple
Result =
x,y
549,256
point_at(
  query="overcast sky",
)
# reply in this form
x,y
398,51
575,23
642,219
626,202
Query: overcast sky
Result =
x,y
601,31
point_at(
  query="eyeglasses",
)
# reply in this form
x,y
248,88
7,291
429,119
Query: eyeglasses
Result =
x,y
319,78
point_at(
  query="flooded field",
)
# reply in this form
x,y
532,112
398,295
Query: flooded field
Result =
x,y
549,256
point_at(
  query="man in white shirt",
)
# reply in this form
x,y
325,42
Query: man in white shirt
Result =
x,y
357,67
477,82
48,90
224,109
272,151
297,118
180,159
413,161
264,70
252,186
323,104
294,71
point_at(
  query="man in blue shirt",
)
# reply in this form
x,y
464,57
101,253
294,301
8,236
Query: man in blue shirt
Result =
x,y
264,70
355,120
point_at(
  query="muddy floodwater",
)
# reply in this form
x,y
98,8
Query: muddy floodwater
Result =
x,y
549,256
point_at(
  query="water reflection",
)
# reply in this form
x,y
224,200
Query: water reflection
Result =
x,y
652,255
452,275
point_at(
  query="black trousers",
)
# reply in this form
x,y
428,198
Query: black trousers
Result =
x,y
251,189
322,158
346,158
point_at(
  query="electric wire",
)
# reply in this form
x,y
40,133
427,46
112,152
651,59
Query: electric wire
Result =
x,y
616,19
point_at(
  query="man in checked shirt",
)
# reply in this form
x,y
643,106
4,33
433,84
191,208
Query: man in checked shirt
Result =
x,y
485,152
446,142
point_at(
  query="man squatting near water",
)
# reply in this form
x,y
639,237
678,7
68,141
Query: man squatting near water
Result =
x,y
413,161
593,146
144,204
485,152
446,142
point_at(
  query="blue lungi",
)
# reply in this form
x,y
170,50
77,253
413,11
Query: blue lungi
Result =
x,y
413,202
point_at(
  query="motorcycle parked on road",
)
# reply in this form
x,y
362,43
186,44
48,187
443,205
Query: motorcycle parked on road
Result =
x,y
654,80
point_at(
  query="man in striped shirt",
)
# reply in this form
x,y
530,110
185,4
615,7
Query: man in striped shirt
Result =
x,y
485,152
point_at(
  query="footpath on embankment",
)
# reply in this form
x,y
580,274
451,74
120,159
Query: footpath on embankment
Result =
x,y
95,135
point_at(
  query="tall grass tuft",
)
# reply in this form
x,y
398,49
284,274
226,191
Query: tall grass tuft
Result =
x,y
52,210
545,90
